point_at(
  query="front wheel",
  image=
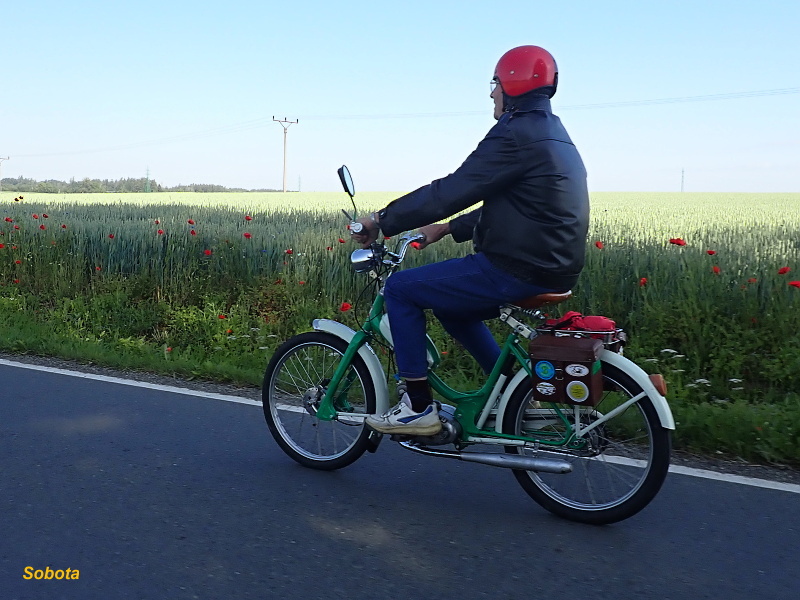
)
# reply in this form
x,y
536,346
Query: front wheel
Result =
x,y
295,382
617,468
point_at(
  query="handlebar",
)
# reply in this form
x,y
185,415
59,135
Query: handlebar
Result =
x,y
405,241
365,260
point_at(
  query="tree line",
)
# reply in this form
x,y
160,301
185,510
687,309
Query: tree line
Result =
x,y
127,185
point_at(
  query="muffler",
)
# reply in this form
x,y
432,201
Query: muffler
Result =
x,y
508,461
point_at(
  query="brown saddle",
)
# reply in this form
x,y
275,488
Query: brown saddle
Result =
x,y
539,300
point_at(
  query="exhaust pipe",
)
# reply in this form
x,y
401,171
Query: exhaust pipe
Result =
x,y
508,461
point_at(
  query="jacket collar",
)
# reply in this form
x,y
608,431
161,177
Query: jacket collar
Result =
x,y
526,102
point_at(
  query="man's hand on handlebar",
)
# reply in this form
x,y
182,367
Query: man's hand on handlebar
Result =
x,y
366,234
433,233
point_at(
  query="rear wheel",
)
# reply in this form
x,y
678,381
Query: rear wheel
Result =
x,y
295,382
617,468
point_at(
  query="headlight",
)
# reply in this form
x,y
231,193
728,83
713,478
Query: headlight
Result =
x,y
363,260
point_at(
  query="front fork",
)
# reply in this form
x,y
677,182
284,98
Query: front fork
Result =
x,y
336,392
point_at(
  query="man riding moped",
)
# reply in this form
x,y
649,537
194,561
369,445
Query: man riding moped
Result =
x,y
529,235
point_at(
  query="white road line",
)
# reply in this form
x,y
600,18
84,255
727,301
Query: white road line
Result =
x,y
131,382
762,483
679,470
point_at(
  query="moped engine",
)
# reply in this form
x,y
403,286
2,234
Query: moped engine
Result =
x,y
451,430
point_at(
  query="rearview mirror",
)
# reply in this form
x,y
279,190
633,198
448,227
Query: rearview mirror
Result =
x,y
347,180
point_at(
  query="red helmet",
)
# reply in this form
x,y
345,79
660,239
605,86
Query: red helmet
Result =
x,y
526,68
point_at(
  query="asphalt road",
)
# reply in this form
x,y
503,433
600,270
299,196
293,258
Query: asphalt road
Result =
x,y
156,495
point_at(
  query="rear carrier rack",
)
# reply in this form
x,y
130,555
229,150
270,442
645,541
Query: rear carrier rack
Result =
x,y
612,340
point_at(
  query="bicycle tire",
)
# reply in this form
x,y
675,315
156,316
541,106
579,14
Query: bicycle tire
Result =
x,y
294,382
628,464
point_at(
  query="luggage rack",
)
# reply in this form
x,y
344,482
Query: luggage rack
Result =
x,y
612,340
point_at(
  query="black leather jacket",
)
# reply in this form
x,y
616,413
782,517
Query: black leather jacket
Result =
x,y
531,179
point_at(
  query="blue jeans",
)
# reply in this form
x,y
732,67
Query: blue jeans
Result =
x,y
463,293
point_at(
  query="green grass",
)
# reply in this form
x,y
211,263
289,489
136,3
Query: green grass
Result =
x,y
259,267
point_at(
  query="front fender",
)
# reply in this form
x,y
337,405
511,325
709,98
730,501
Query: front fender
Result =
x,y
365,352
612,358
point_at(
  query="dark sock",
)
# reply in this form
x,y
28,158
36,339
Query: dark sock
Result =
x,y
419,392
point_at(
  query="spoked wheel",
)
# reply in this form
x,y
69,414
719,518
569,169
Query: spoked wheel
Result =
x,y
295,382
617,469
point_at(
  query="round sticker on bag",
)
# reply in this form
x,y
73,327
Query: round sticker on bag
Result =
x,y
546,389
577,391
577,370
544,370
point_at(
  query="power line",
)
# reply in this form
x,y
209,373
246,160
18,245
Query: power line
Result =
x,y
262,122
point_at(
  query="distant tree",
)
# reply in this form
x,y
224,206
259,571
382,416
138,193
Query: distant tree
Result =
x,y
125,185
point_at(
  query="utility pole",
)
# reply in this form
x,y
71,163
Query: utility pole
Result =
x,y
681,180
285,124
1,171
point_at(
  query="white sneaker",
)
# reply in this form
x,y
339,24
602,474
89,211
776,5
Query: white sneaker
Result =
x,y
401,419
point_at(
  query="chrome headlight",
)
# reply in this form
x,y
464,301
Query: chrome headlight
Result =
x,y
364,260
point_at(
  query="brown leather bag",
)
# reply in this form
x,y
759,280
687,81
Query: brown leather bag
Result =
x,y
566,370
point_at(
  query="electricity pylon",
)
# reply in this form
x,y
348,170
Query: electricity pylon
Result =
x,y
285,124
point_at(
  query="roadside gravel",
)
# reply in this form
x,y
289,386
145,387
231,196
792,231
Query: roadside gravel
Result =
x,y
720,464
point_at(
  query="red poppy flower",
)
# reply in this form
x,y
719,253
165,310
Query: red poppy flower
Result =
x,y
341,240
288,251
222,317
111,236
160,232
599,244
677,241
415,245
193,232
783,270
795,284
643,282
169,348
345,306
190,221
207,252
301,283
42,227
97,268
229,331
9,220
752,280
16,226
247,235
716,270
278,281
63,226
158,222
711,252
19,262
2,246
44,215
35,216
329,248
16,281
248,218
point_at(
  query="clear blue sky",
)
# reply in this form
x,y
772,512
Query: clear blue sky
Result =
x,y
398,91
